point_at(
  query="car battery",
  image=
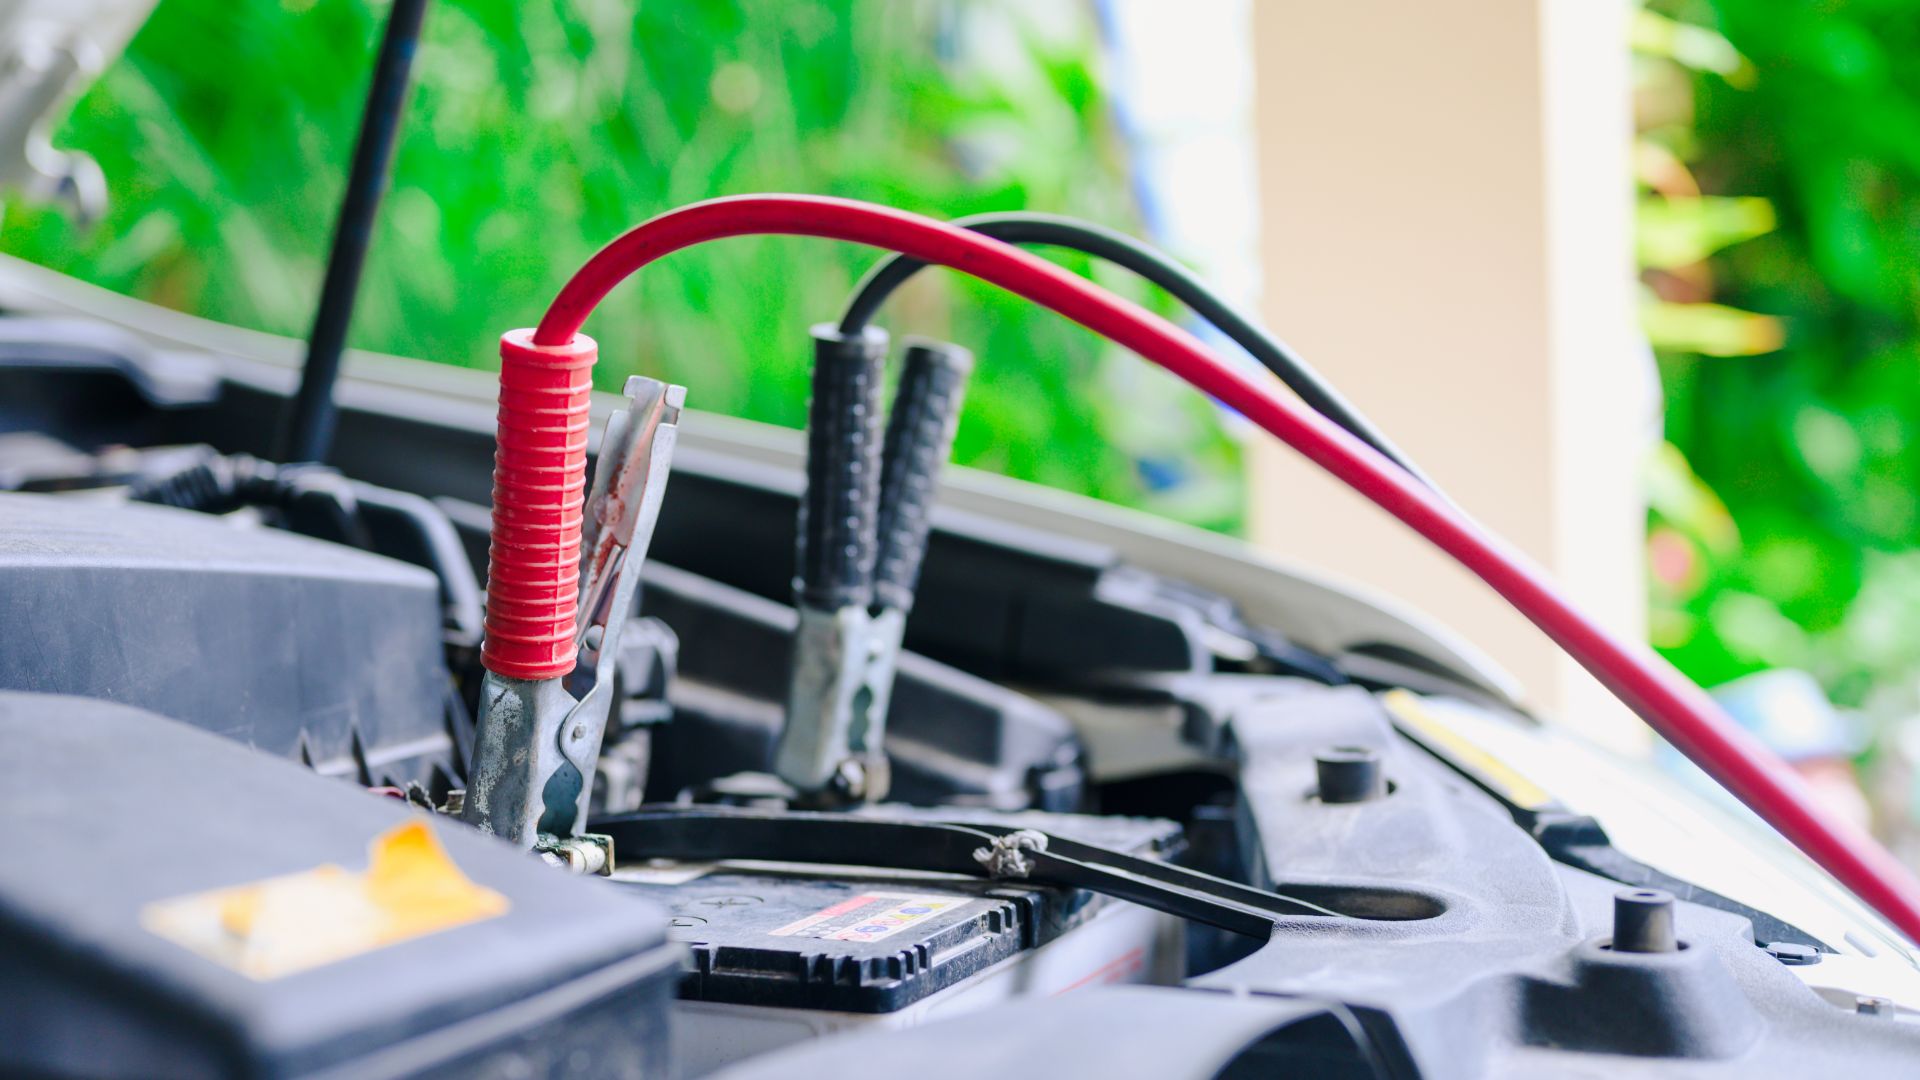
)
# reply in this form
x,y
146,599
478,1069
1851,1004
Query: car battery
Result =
x,y
783,952
174,904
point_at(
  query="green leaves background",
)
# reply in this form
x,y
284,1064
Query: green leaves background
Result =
x,y
539,130
1779,159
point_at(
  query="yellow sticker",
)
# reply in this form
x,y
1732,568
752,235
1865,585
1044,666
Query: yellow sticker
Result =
x,y
1505,781
282,925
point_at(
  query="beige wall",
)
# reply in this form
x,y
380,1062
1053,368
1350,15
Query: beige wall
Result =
x,y
1446,221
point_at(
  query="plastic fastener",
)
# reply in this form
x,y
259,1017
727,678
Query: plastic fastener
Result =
x,y
1792,953
1643,922
1349,774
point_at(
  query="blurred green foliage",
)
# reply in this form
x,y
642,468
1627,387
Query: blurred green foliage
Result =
x,y
1779,159
539,130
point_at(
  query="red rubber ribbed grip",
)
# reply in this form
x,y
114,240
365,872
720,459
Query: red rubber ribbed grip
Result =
x,y
539,481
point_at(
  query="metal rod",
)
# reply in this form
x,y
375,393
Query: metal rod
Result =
x,y
308,434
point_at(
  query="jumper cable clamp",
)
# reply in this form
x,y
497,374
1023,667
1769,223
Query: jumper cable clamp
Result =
x,y
554,623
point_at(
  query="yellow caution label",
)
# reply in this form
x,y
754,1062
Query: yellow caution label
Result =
x,y
1496,775
283,925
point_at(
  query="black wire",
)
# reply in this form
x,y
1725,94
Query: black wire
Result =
x,y
1161,270
308,435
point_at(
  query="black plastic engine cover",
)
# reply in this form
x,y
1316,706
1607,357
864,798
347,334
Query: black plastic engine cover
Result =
x,y
304,649
953,739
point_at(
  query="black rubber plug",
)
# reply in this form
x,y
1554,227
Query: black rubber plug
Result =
x,y
1349,774
1643,922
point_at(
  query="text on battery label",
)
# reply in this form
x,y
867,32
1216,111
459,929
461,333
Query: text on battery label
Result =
x,y
870,916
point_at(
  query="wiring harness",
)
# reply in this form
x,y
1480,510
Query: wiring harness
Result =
x,y
541,467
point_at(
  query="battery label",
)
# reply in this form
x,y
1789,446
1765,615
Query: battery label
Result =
x,y
870,916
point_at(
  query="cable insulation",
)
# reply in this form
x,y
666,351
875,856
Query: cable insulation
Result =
x,y
1159,269
1660,695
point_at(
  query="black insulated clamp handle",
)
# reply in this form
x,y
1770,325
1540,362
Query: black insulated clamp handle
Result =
x,y
926,410
841,504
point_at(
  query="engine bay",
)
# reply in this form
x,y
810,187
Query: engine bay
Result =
x,y
366,718
1103,801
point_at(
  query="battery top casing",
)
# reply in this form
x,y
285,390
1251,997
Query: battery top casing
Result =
x,y
861,940
175,904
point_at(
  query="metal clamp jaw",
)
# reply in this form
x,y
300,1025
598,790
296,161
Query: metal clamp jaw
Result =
x,y
539,739
830,748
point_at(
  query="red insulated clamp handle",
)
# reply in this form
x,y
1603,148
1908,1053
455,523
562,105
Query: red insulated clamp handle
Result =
x,y
539,481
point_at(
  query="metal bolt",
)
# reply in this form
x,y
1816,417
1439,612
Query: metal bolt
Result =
x,y
1643,922
1349,774
580,854
1867,1005
851,779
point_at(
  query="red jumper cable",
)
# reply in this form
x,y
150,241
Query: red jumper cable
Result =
x,y
543,478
